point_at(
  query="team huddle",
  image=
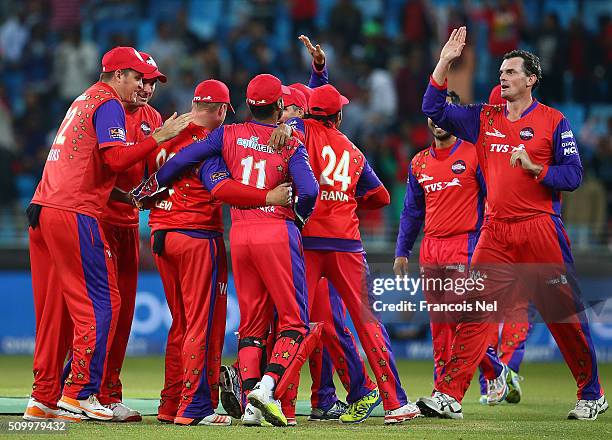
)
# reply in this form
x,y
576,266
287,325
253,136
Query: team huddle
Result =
x,y
294,182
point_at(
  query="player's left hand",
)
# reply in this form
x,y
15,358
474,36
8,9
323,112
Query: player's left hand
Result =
x,y
316,52
280,137
521,157
147,189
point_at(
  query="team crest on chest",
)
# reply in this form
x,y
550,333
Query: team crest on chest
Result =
x,y
458,167
526,133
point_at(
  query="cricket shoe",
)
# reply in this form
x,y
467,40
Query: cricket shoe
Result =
x,y
213,419
291,422
361,409
588,409
123,413
230,391
261,398
440,405
483,399
36,412
408,411
497,389
252,416
332,414
91,407
514,386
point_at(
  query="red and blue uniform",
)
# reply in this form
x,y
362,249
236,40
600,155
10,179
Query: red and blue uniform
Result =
x,y
76,298
120,224
189,251
441,184
523,232
334,251
266,246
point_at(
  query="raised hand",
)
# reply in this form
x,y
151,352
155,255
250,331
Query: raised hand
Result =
x,y
454,46
316,52
172,126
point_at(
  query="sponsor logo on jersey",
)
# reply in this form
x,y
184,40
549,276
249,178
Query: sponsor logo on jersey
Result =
x,y
146,128
218,176
425,178
495,133
570,150
567,134
253,143
506,148
526,133
458,167
117,133
562,279
440,186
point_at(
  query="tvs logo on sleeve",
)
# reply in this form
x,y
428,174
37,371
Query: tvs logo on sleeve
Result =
x,y
458,167
526,133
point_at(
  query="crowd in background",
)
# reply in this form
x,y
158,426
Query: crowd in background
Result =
x,y
379,53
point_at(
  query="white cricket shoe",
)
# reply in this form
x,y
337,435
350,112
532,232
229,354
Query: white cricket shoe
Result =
x,y
407,412
91,407
588,409
36,411
123,413
440,405
497,389
252,416
271,410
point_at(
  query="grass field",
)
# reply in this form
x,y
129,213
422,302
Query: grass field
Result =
x,y
549,393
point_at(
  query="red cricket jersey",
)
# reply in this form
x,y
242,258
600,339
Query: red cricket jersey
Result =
x,y
189,205
251,161
139,125
75,177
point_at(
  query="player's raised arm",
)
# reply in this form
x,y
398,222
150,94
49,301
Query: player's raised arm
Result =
x,y
462,121
305,182
318,73
413,215
566,172
370,192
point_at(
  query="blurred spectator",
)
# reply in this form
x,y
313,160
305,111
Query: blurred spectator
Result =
x,y
167,49
382,99
7,136
76,65
14,35
550,47
505,21
417,26
579,56
303,13
345,21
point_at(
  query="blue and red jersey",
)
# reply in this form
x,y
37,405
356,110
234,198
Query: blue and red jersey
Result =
x,y
249,159
442,183
546,135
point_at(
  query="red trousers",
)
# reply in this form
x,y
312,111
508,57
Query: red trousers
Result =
x,y
349,273
76,302
194,275
536,249
124,244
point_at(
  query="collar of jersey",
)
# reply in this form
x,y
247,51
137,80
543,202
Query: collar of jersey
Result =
x,y
526,112
432,150
109,88
261,123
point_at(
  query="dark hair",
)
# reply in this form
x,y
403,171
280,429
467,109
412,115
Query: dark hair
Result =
x,y
327,120
455,99
531,63
262,111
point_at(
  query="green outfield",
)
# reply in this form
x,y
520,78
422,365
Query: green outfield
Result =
x,y
549,395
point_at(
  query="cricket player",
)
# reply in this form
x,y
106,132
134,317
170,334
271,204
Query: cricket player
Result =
x,y
265,243
446,191
76,299
528,154
119,222
334,249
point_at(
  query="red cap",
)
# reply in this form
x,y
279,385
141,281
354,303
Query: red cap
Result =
x,y
326,100
156,74
307,91
495,97
296,98
122,57
212,90
265,89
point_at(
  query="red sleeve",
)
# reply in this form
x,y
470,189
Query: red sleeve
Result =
x,y
374,199
121,157
236,194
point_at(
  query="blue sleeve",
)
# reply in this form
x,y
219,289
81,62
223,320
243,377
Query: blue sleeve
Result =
x,y
566,172
318,77
190,156
481,181
296,124
305,183
461,120
213,171
368,180
109,122
412,216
